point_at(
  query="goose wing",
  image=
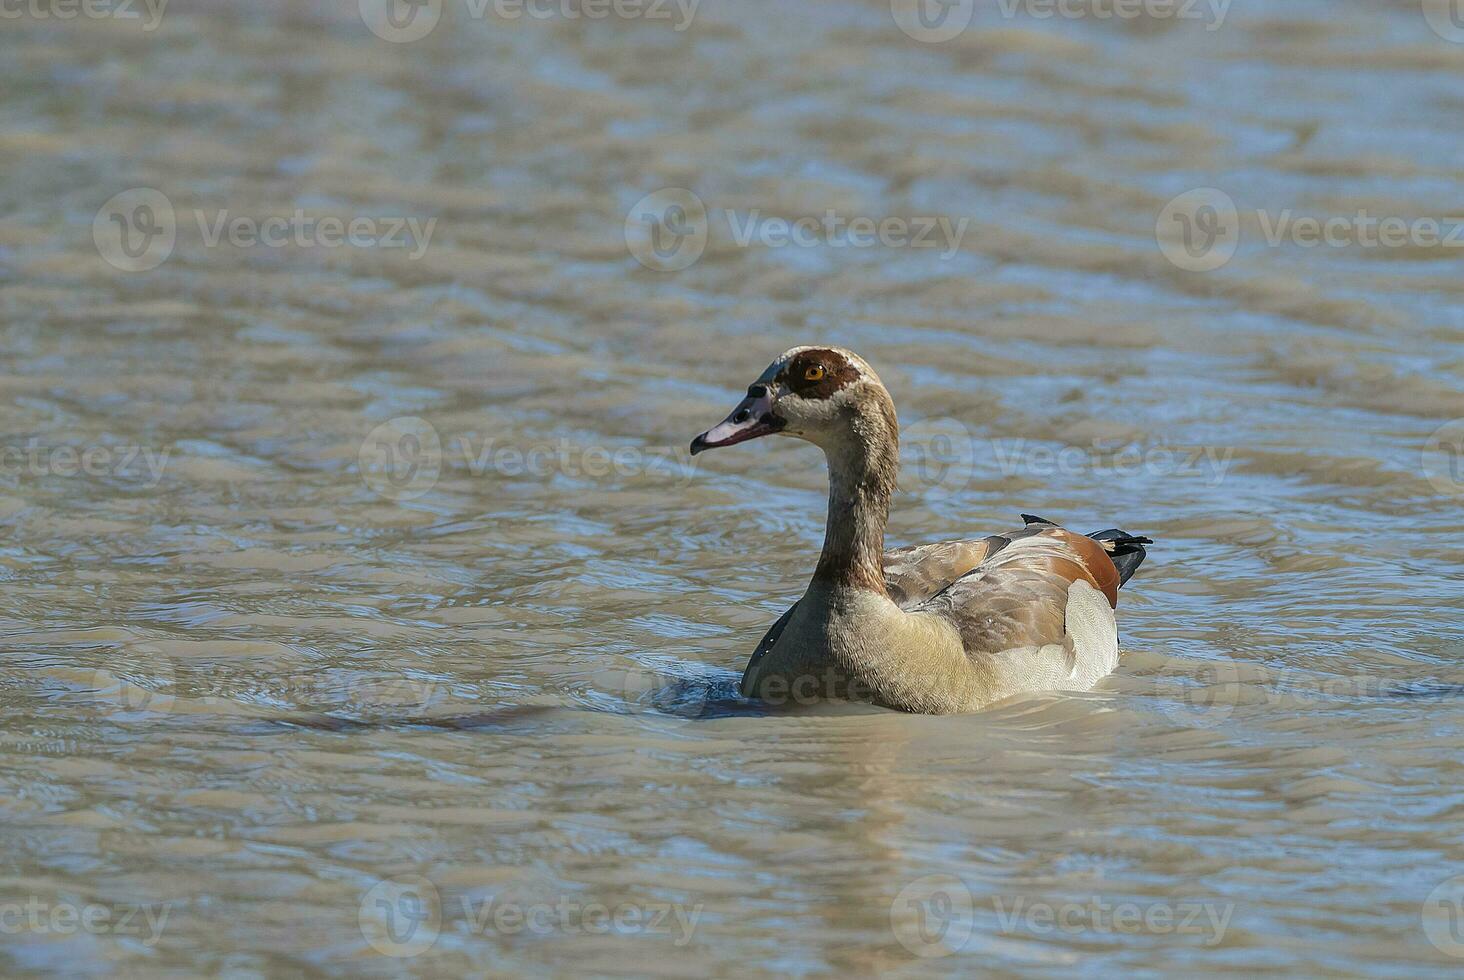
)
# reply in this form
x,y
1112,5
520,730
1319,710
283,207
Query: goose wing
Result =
x,y
914,575
1020,596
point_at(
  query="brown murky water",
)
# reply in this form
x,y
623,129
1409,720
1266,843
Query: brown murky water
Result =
x,y
367,402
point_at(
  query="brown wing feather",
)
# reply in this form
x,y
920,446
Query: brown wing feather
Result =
x,y
1022,604
1017,597
913,575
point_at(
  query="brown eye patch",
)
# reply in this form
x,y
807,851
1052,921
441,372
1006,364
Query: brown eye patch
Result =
x,y
818,373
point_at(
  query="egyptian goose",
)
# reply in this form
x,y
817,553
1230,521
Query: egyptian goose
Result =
x,y
938,628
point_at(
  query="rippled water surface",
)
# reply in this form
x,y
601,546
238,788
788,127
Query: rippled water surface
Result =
x,y
270,504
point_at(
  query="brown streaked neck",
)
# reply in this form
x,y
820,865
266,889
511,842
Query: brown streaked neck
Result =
x,y
862,474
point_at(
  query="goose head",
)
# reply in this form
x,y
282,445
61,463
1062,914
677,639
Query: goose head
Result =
x,y
824,395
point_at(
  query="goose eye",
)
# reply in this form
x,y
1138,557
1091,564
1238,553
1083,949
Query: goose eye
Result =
x,y
814,373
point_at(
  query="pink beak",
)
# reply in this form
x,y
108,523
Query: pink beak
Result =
x,y
753,417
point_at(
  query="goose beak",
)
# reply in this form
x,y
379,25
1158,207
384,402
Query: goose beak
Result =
x,y
753,417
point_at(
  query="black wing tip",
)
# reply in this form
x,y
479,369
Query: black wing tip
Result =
x,y
1113,539
1125,549
1029,520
